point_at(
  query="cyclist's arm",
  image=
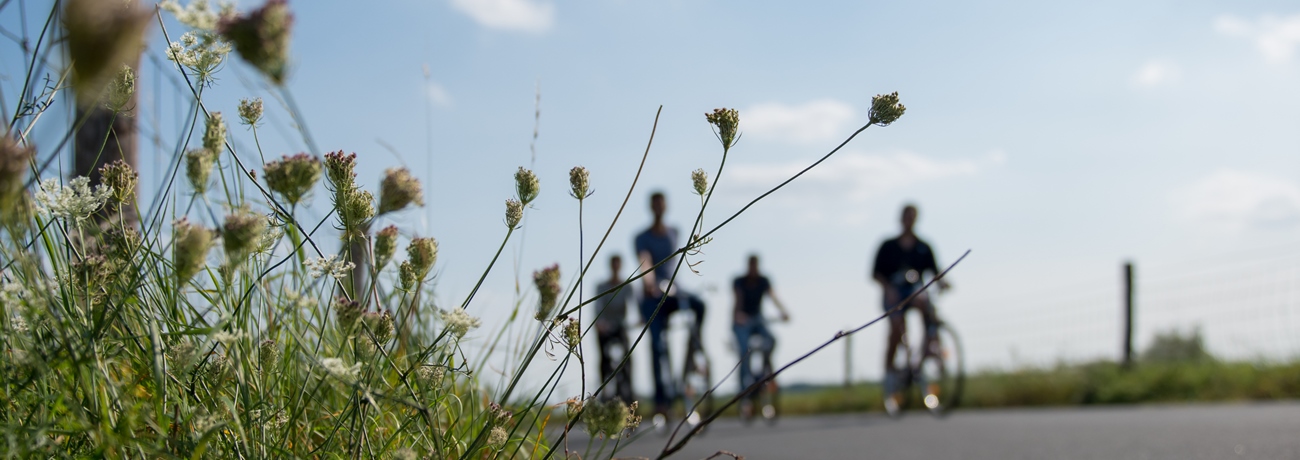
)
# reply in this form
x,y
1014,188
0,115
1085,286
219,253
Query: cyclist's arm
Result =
x,y
738,312
771,294
648,281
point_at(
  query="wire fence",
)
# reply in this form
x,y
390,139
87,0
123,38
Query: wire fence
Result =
x,y
1244,307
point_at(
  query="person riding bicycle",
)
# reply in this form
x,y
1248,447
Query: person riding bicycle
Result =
x,y
655,245
611,331
899,266
748,318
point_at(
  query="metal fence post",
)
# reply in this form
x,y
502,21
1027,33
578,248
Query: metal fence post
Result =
x,y
1128,315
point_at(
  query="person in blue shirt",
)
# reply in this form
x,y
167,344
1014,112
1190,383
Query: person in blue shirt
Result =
x,y
654,245
749,291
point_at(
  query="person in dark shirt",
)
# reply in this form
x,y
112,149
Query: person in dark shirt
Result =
x,y
611,330
749,291
899,267
654,245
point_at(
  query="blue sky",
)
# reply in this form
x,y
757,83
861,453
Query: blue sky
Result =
x,y
1054,140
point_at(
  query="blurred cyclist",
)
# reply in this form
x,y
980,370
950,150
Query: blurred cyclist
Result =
x,y
654,245
611,330
749,291
900,264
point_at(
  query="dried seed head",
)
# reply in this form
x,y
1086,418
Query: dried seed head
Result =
x,y
398,190
423,253
241,233
407,276
548,290
380,325
268,355
189,249
573,334
885,109
121,178
727,122
214,133
198,168
292,176
250,111
355,211
261,37
118,94
578,181
526,185
497,438
514,213
700,180
348,312
385,246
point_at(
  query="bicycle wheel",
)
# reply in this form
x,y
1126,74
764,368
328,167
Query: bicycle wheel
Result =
x,y
769,395
696,382
896,387
942,372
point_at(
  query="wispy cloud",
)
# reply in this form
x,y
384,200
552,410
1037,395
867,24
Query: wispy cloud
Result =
x,y
809,122
515,15
437,94
1276,37
1237,200
1157,73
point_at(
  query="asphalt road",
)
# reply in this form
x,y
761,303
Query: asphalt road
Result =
x,y
1221,431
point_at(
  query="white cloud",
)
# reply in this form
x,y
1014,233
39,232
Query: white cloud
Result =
x,y
858,176
813,121
517,15
437,94
1276,37
1237,200
1156,73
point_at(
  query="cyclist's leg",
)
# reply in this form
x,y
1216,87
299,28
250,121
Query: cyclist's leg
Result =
x,y
697,308
743,332
607,363
623,378
658,351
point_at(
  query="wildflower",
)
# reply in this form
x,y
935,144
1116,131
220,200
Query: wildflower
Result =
x,y
262,37
334,266
347,311
227,338
198,168
190,249
121,179
431,376
182,355
407,276
423,253
214,132
268,355
338,369
341,170
578,181
385,246
100,38
18,324
198,14
514,213
726,121
292,176
526,185
633,420
885,109
380,325
700,179
240,234
11,294
497,438
250,111
498,415
573,334
120,89
459,322
398,190
405,453
270,236
548,289
355,210
295,299
202,53
77,201
608,418
15,159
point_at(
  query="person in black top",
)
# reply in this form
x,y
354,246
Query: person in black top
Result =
x,y
749,291
900,264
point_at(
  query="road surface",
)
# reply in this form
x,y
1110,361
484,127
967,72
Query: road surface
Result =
x,y
1219,431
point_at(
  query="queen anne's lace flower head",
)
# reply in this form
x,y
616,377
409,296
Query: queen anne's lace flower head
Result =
x,y
398,190
77,201
334,266
459,322
339,369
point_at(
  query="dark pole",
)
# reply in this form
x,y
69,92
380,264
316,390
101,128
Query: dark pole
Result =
x,y
1128,314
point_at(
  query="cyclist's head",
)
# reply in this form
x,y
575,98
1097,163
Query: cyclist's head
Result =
x,y
615,264
753,264
658,204
909,217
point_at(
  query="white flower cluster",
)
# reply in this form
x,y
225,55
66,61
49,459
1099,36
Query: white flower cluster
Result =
x,y
295,299
333,266
459,322
77,201
11,294
273,233
201,56
198,14
227,338
337,368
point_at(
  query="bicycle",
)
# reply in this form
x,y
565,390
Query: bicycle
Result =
x,y
767,397
938,370
697,380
